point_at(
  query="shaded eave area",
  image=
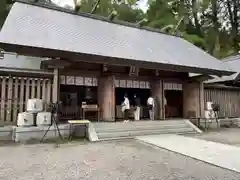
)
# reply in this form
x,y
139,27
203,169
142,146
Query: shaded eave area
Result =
x,y
90,58
79,48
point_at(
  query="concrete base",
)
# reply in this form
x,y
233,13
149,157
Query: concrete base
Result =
x,y
6,133
223,121
92,135
22,134
218,154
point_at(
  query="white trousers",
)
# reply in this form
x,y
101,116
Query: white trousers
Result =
x,y
137,113
151,114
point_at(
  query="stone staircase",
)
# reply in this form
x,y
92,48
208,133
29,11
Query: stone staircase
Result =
x,y
120,130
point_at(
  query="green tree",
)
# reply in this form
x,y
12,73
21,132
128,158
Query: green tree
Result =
x,y
202,22
125,12
5,6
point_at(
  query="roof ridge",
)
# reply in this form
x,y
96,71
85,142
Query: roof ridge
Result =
x,y
231,58
93,16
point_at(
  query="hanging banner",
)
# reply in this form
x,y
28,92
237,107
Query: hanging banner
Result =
x,y
70,80
129,84
79,80
62,80
173,86
122,83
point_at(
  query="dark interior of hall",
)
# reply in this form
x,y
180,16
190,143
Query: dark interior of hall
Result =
x,y
174,106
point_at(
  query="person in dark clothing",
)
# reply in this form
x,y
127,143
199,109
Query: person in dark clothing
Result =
x,y
137,105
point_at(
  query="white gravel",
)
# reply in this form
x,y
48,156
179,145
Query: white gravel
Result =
x,y
127,159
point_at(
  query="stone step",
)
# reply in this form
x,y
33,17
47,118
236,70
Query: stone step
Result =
x,y
137,124
132,128
120,130
110,135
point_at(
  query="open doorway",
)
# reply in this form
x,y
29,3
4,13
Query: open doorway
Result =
x,y
72,97
174,104
142,94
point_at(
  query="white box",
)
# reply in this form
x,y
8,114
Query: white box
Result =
x,y
43,118
25,119
34,105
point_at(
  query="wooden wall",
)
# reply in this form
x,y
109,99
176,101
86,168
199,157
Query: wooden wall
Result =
x,y
193,99
228,99
15,91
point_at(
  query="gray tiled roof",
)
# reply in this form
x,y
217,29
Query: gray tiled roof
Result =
x,y
234,63
36,26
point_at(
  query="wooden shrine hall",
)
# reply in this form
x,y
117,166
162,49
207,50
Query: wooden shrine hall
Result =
x,y
95,61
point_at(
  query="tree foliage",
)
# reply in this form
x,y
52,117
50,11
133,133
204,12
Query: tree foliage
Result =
x,y
213,25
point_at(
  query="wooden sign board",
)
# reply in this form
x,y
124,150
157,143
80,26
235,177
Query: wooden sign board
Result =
x,y
133,71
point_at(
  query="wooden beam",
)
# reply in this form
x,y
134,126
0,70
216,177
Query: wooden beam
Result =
x,y
56,63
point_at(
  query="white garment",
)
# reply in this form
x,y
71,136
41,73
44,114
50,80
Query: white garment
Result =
x,y
165,101
150,101
151,114
137,113
125,104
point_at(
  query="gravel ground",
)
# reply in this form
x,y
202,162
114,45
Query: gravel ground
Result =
x,y
127,159
224,135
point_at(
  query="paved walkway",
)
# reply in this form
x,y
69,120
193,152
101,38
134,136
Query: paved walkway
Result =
x,y
222,155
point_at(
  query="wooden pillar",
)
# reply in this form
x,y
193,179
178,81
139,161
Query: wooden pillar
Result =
x,y
157,94
193,99
106,97
56,86
201,96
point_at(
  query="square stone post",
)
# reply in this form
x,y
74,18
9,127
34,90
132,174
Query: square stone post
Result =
x,y
106,97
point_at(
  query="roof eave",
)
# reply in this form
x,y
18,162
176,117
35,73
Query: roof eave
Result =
x,y
54,53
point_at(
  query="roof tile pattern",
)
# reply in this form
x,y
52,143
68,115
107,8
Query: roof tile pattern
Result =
x,y
41,27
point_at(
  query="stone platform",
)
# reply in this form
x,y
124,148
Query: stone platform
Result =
x,y
21,134
221,155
